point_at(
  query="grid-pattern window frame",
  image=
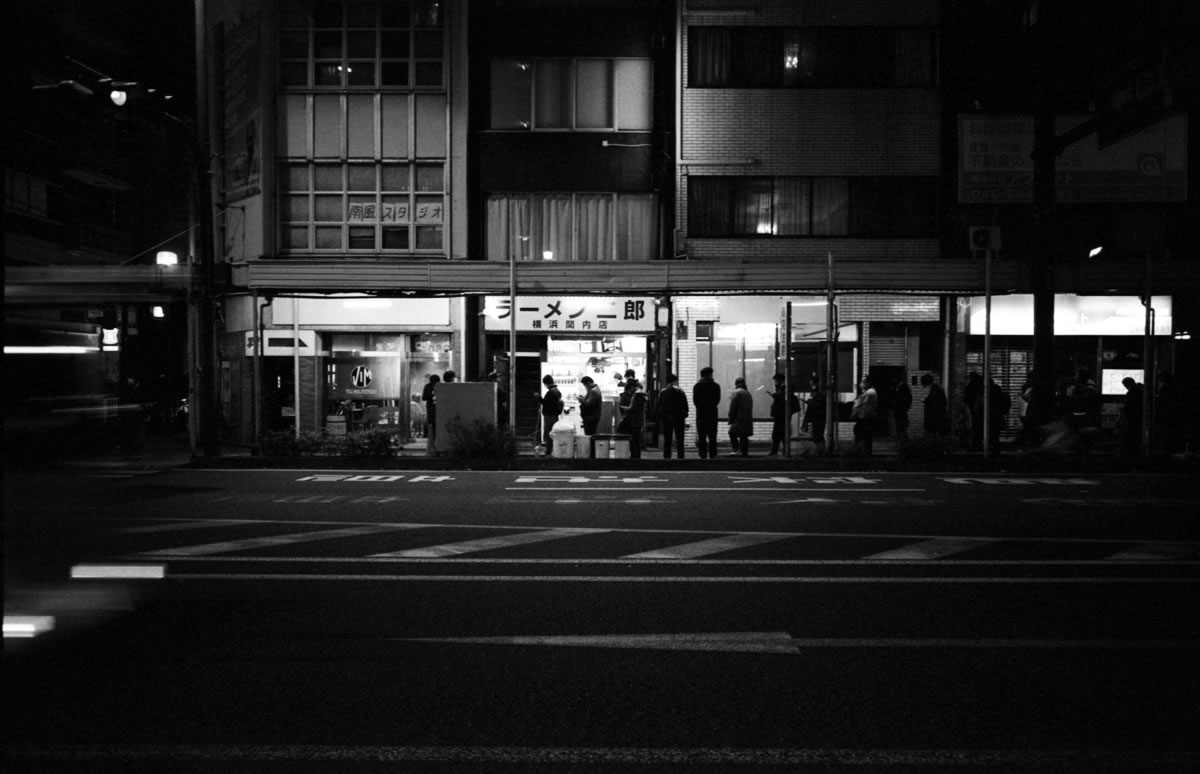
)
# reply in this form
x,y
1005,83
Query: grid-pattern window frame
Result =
x,y
362,161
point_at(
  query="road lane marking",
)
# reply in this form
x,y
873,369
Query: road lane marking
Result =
x,y
933,549
784,643
277,540
487,544
233,756
710,546
579,561
663,579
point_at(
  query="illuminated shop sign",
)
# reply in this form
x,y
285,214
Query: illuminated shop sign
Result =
x,y
1073,315
571,314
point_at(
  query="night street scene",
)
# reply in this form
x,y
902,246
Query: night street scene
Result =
x,y
601,386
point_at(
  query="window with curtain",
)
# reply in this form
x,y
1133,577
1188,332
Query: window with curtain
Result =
x,y
572,94
572,226
742,206
358,80
810,57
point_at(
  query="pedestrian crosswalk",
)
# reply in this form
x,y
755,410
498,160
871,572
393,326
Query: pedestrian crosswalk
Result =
x,y
169,539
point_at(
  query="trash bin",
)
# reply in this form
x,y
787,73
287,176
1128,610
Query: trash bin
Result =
x,y
562,436
583,447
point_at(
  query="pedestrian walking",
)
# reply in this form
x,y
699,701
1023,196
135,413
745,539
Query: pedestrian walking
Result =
x,y
706,397
741,418
671,411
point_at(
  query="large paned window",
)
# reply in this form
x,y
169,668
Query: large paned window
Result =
x,y
362,128
362,44
572,94
787,206
572,226
810,57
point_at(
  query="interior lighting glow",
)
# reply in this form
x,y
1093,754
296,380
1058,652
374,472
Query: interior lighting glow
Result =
x,y
158,312
119,97
547,255
167,258
123,571
27,626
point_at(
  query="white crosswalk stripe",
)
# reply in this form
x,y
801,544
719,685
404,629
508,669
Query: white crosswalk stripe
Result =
x,y
1156,551
277,540
708,547
486,544
932,549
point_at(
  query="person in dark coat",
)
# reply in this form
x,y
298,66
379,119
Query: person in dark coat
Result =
x,y
741,418
901,403
815,415
937,418
671,409
590,405
634,420
783,405
1129,424
552,408
706,397
429,396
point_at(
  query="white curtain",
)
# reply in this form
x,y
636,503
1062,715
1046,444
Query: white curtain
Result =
x,y
595,227
573,227
507,222
637,227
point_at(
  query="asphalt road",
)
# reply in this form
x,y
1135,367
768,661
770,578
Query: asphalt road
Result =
x,y
601,621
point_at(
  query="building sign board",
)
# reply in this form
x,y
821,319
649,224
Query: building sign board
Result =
x,y
277,342
996,163
571,314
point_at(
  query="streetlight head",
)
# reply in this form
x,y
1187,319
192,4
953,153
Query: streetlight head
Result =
x,y
1095,251
119,97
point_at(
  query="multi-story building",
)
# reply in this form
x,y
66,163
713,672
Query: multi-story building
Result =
x,y
650,184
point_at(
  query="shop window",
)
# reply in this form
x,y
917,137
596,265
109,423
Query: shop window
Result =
x,y
572,94
572,227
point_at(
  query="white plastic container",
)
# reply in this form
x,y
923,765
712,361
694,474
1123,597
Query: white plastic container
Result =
x,y
562,435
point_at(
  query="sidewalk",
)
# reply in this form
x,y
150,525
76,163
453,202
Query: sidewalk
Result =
x,y
164,452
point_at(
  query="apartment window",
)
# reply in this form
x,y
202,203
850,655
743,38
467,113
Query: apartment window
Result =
x,y
25,194
809,57
572,226
362,44
572,94
794,206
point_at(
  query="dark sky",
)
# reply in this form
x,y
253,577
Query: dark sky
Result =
x,y
149,41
